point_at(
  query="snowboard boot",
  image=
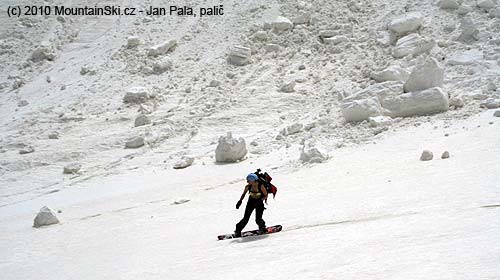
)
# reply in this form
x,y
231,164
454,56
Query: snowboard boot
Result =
x,y
262,230
237,233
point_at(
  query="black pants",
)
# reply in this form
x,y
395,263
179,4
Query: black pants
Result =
x,y
256,204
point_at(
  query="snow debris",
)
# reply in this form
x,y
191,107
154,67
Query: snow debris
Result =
x,y
137,95
281,24
214,83
424,76
445,155
239,55
181,200
288,87
26,150
426,155
412,44
54,135
133,42
162,65
184,162
380,121
486,4
469,33
271,48
448,4
43,52
491,103
72,168
359,110
230,149
497,113
416,103
466,58
135,142
406,23
457,101
162,49
141,120
391,73
292,129
45,217
312,154
302,18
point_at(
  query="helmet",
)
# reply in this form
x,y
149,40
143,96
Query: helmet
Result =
x,y
252,177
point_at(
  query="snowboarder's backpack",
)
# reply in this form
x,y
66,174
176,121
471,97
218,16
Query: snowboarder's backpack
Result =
x,y
265,179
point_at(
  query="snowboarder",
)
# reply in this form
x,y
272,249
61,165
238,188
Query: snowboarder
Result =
x,y
258,195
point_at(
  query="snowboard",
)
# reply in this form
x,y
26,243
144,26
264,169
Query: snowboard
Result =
x,y
256,232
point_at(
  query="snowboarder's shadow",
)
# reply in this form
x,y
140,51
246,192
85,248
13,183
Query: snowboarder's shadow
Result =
x,y
249,239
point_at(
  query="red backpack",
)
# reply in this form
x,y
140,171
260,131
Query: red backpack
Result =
x,y
265,179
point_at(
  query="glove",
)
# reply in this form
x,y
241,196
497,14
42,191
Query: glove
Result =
x,y
238,204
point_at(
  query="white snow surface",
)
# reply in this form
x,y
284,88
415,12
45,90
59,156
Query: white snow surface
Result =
x,y
370,210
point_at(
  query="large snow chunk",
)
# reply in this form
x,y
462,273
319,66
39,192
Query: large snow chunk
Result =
x,y
72,168
448,4
380,121
379,91
184,162
312,154
486,4
412,44
469,33
230,149
45,217
360,110
162,48
281,24
136,95
416,103
466,58
135,142
406,23
239,55
43,52
426,155
391,73
426,75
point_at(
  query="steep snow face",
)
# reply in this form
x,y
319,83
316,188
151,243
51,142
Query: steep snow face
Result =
x,y
74,136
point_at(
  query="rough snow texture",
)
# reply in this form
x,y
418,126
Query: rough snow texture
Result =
x,y
427,75
45,217
230,149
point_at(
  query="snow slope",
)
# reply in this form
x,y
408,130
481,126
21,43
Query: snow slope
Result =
x,y
371,212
